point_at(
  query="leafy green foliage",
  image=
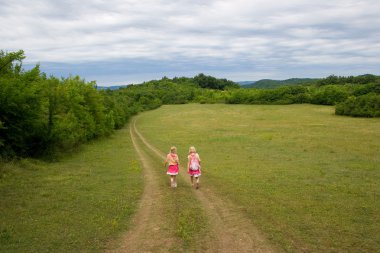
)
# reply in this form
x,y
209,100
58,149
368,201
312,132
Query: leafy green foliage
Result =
x,y
281,95
7,65
20,109
350,94
42,115
212,83
342,80
329,95
363,106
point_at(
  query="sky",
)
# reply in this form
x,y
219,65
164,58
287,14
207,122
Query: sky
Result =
x,y
118,42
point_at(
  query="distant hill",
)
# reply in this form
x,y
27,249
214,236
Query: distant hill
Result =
x,y
243,83
115,87
270,84
261,84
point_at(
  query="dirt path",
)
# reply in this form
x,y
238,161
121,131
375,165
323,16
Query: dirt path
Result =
x,y
149,232
231,230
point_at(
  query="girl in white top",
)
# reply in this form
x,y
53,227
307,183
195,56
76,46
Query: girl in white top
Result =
x,y
194,166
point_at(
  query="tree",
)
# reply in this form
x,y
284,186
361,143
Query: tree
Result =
x,y
210,82
7,60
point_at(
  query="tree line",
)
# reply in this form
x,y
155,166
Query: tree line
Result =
x,y
42,116
352,96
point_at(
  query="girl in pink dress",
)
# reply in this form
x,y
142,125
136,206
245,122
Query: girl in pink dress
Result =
x,y
194,166
173,162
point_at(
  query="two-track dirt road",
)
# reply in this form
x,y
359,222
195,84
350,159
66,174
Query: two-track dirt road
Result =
x,y
231,230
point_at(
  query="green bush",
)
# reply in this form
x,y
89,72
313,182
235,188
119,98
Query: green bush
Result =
x,y
329,95
363,106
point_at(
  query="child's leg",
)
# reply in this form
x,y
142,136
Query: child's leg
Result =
x,y
192,180
171,180
175,181
197,183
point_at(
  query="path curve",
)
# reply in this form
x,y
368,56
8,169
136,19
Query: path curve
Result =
x,y
232,231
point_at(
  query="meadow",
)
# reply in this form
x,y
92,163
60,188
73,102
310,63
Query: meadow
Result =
x,y
310,180
85,201
74,205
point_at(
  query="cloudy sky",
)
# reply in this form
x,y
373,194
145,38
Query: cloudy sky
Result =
x,y
130,41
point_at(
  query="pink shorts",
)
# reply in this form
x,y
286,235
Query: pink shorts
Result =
x,y
173,170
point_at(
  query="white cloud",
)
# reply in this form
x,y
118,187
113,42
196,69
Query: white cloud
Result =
x,y
250,35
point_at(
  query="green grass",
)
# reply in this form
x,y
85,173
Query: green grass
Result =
x,y
74,205
308,179
189,219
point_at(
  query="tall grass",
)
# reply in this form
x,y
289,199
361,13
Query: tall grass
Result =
x,y
74,205
308,179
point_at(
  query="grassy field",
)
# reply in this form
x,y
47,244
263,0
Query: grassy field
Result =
x,y
74,205
308,179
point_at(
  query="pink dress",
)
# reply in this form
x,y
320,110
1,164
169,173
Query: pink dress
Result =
x,y
173,168
194,167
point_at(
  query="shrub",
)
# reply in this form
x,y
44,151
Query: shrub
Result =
x,y
363,106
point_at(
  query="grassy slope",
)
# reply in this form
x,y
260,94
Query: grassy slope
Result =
x,y
307,178
73,205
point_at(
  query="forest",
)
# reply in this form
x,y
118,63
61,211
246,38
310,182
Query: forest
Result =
x,y
42,115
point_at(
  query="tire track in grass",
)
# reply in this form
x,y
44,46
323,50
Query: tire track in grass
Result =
x,y
231,230
150,231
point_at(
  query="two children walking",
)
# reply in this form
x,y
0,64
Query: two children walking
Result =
x,y
193,166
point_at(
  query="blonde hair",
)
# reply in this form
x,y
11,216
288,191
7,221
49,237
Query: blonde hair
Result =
x,y
173,149
192,150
